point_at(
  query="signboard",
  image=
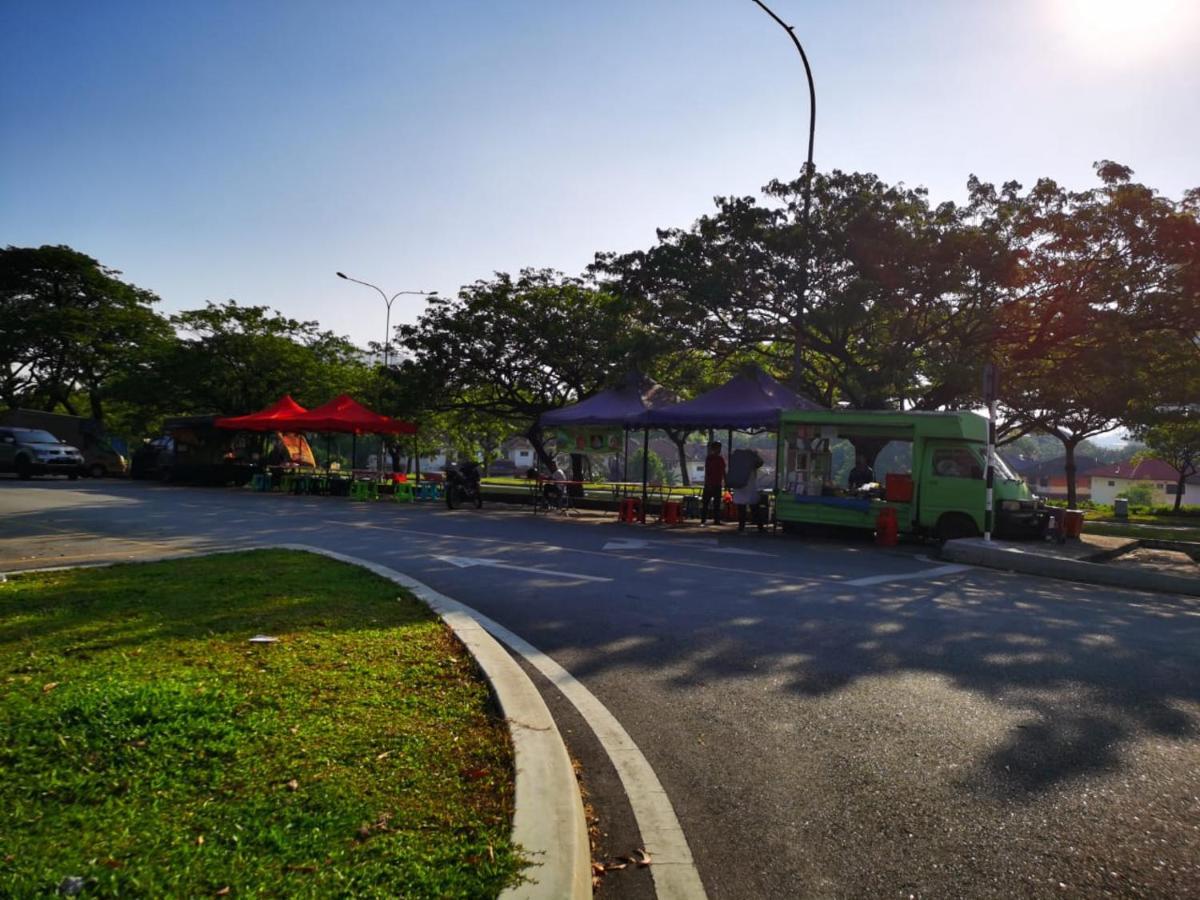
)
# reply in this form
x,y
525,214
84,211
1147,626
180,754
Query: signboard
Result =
x,y
589,440
991,383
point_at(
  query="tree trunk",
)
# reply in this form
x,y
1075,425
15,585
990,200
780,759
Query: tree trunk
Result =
x,y
1179,488
537,440
1069,447
97,405
679,439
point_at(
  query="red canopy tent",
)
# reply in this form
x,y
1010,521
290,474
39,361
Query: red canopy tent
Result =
x,y
276,417
344,414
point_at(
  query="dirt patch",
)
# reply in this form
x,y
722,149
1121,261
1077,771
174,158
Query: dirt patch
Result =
x,y
1168,562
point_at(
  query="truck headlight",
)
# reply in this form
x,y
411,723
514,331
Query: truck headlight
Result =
x,y
1010,505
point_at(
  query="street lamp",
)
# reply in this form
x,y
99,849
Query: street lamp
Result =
x,y
806,247
387,342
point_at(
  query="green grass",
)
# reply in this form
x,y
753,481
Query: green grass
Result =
x,y
150,749
1117,529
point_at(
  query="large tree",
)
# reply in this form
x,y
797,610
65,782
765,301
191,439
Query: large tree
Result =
x,y
900,294
70,326
516,347
1107,288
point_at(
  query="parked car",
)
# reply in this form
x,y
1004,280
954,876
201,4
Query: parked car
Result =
x,y
31,451
99,456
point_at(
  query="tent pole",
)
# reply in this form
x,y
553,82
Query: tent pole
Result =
x,y
417,456
625,460
353,451
645,471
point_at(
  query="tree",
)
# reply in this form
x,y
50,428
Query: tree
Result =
x,y
1176,442
234,359
516,348
900,294
70,326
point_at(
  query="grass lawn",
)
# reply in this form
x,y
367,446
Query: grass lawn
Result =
x,y
1145,529
149,748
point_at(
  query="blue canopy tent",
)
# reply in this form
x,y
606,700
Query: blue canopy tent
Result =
x,y
615,407
751,400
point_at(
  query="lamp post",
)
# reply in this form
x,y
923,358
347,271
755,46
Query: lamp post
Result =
x,y
806,247
387,328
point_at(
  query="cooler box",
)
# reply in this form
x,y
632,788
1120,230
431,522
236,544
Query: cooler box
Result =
x,y
898,488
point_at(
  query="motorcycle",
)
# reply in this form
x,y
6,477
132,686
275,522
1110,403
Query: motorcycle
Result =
x,y
462,486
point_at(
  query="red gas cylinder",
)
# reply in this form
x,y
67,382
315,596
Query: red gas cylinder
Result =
x,y
887,529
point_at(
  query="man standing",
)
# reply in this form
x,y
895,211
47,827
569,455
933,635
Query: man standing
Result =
x,y
714,483
861,474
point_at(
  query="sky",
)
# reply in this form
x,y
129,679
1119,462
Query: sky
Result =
x,y
249,150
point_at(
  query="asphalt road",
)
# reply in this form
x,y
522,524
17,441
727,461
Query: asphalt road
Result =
x,y
828,719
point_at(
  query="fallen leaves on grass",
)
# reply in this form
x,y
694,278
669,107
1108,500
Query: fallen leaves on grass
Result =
x,y
293,785
49,686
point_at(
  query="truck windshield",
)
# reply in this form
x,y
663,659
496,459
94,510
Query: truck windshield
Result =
x,y
37,436
1004,470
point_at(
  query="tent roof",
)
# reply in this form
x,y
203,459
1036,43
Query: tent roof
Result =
x,y
752,399
615,406
275,417
344,414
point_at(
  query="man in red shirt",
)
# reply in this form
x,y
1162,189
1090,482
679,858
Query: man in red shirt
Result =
x,y
714,483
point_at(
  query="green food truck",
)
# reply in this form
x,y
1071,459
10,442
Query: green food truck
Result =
x,y
935,485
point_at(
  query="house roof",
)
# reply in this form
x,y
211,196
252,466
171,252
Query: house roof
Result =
x,y
1143,470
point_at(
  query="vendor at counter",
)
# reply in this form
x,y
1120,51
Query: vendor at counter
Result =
x,y
861,474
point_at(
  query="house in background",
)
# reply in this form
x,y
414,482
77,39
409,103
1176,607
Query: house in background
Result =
x,y
1048,477
1109,482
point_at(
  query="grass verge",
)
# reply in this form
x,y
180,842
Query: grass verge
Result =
x,y
149,749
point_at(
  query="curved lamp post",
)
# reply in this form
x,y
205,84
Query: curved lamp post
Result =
x,y
806,248
387,343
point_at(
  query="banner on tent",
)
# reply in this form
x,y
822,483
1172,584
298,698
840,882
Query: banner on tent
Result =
x,y
589,440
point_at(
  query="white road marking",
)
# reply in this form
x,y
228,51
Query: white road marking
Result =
x,y
706,546
674,870
909,576
466,562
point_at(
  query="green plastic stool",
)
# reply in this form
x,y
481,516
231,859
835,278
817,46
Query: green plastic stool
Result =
x,y
402,492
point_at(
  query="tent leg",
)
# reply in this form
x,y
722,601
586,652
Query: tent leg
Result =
x,y
353,452
625,460
417,457
645,471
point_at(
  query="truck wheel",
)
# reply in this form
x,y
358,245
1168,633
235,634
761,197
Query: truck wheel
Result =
x,y
952,526
24,467
97,470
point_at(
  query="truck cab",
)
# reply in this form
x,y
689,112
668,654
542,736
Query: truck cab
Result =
x,y
938,489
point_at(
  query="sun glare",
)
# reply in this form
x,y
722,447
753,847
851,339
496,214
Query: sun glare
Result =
x,y
1125,29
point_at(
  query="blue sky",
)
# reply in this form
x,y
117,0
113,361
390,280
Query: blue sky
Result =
x,y
249,150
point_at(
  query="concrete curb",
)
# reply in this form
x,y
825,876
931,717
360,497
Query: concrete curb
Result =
x,y
548,818
997,555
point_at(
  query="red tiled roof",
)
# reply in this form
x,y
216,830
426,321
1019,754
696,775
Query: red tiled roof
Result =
x,y
1146,470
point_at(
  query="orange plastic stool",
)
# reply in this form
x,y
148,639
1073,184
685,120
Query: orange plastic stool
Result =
x,y
630,510
887,529
672,512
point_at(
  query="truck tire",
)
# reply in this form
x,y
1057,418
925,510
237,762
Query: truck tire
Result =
x,y
952,526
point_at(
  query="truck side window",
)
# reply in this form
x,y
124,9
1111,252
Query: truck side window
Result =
x,y
956,462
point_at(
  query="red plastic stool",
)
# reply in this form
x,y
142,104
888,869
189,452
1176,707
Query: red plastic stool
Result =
x,y
630,510
672,512
887,529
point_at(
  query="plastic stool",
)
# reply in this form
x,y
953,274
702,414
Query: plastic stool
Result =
x,y
630,510
260,481
672,512
402,492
